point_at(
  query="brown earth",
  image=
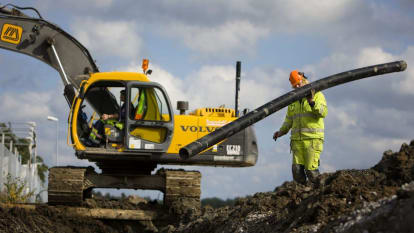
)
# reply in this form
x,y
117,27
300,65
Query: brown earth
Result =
x,y
380,199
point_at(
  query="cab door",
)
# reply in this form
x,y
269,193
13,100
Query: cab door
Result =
x,y
149,122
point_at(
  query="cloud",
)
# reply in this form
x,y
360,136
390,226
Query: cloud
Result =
x,y
222,39
296,16
373,55
224,28
108,38
74,5
25,107
213,86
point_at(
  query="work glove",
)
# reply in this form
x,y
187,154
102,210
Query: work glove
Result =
x,y
311,102
275,135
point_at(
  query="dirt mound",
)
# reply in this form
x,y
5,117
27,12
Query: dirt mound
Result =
x,y
371,200
338,202
47,220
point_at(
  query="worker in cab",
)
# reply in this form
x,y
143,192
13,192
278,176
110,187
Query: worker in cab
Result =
x,y
113,119
122,111
305,120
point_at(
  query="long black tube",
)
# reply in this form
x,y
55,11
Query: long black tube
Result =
x,y
265,110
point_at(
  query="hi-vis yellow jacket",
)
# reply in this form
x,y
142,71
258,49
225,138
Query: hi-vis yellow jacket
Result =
x,y
304,121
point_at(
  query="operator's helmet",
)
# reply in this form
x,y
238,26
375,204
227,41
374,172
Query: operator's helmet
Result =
x,y
295,77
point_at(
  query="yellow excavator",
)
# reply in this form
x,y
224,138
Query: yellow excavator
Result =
x,y
144,133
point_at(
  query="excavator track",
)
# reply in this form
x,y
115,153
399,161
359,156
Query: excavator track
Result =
x,y
66,185
182,191
71,185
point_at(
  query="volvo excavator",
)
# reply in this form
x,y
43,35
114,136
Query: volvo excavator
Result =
x,y
129,148
150,134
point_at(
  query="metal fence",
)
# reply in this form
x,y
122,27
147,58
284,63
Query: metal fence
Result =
x,y
10,164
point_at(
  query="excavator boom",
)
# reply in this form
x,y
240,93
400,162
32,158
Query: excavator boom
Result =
x,y
47,42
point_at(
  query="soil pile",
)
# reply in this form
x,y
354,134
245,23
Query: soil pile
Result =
x,y
370,200
380,199
47,220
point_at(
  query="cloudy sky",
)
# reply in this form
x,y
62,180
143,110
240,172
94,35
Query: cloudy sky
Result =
x,y
193,46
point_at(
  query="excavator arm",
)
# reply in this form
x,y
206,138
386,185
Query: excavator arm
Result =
x,y
47,42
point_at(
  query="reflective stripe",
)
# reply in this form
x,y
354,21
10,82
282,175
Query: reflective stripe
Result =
x,y
307,130
93,133
306,114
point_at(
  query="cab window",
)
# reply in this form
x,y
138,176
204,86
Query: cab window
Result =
x,y
149,104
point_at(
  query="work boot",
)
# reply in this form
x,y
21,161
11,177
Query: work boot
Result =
x,y
298,172
312,175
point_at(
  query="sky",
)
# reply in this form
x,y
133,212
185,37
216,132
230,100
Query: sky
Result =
x,y
193,47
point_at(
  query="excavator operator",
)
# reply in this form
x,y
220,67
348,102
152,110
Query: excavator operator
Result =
x,y
114,119
122,112
305,120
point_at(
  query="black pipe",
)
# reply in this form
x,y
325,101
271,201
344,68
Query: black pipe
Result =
x,y
265,110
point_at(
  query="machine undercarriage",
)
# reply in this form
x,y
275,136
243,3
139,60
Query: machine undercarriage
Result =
x,y
72,185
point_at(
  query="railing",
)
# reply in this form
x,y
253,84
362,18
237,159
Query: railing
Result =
x,y
10,164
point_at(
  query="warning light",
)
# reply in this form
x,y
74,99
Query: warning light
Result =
x,y
145,63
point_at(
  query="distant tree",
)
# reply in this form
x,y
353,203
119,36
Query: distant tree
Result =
x,y
216,202
41,169
97,194
108,196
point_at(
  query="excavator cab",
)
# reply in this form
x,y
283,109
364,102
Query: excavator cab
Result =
x,y
143,121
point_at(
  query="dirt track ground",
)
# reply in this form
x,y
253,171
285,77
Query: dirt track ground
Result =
x,y
380,199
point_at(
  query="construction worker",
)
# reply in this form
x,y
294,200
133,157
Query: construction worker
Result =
x,y
121,116
305,120
115,119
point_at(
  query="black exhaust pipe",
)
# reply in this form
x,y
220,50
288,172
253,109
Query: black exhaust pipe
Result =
x,y
275,105
238,71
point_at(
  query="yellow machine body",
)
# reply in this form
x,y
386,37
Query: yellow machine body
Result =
x,y
200,122
158,136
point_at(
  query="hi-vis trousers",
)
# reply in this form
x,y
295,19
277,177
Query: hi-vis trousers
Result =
x,y
307,152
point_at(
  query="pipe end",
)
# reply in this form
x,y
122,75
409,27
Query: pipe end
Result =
x,y
184,153
403,65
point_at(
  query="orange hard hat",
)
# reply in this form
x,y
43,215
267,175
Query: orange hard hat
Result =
x,y
295,78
